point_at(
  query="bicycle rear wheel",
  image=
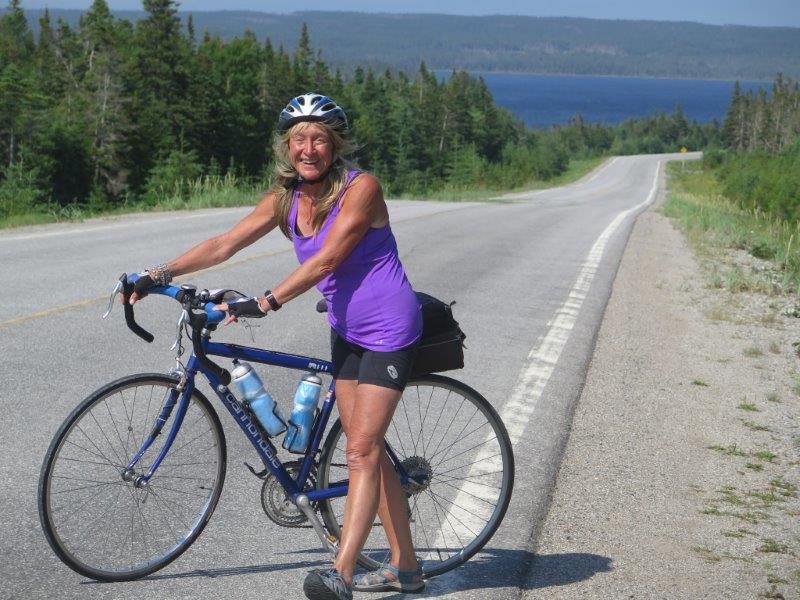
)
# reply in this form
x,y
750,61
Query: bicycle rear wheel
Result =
x,y
455,448
94,516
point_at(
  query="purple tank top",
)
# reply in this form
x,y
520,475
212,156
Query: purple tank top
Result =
x,y
370,300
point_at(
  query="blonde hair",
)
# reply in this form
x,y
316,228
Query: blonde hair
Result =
x,y
285,176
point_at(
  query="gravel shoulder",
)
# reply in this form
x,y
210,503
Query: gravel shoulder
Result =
x,y
680,477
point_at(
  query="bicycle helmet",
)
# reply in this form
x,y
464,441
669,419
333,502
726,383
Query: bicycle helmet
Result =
x,y
312,107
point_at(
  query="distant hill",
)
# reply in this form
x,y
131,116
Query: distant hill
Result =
x,y
514,43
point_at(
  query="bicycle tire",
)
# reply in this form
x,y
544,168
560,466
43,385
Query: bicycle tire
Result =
x,y
98,522
458,510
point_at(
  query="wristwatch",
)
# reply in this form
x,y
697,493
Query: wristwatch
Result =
x,y
273,303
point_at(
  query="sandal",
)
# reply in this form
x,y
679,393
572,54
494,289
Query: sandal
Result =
x,y
388,578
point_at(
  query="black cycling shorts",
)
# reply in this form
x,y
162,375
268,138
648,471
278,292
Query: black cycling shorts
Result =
x,y
386,369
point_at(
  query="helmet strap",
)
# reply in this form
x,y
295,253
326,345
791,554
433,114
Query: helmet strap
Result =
x,y
300,179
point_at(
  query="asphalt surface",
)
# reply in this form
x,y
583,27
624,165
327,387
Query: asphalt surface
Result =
x,y
531,276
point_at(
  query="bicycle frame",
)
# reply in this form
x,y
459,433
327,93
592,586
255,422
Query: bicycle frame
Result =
x,y
262,444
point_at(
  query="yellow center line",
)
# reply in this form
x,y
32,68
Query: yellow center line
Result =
x,y
89,301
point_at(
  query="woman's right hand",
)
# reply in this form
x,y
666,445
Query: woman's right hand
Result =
x,y
143,283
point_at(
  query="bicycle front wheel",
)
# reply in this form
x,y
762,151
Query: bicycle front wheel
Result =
x,y
456,452
96,518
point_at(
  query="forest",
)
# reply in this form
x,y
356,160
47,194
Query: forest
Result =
x,y
760,167
112,114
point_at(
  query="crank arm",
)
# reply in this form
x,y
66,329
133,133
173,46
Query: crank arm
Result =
x,y
329,542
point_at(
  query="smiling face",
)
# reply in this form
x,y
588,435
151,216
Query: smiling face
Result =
x,y
310,150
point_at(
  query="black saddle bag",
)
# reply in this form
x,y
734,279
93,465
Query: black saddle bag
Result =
x,y
442,345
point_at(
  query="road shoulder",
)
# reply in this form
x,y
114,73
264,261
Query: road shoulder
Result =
x,y
679,477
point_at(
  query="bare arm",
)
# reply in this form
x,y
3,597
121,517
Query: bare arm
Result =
x,y
220,248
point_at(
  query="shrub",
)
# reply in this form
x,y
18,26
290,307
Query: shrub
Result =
x,y
172,176
19,191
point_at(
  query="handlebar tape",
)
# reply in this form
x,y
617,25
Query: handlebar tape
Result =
x,y
127,290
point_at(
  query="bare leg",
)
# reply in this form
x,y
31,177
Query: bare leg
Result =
x,y
365,411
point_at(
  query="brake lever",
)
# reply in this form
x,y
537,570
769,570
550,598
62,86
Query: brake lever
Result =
x,y
117,290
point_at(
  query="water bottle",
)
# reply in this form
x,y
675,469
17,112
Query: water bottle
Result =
x,y
303,413
258,399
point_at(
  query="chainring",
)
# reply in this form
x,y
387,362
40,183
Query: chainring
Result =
x,y
276,504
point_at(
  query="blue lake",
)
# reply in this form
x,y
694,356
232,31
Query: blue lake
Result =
x,y
542,100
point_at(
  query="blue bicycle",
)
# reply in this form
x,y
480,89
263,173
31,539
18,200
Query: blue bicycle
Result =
x,y
135,472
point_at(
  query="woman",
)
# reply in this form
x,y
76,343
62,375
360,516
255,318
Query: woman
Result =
x,y
338,222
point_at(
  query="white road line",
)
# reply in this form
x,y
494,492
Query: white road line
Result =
x,y
540,364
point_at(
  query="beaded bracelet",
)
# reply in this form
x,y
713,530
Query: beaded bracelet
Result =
x,y
160,274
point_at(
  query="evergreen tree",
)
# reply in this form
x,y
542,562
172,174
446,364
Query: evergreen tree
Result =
x,y
301,64
19,97
160,112
103,100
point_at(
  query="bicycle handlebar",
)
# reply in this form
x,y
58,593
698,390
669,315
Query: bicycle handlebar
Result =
x,y
209,318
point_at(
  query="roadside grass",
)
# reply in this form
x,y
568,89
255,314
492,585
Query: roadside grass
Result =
x,y
754,426
714,224
739,533
764,455
706,554
204,192
784,488
229,191
770,545
753,352
747,406
731,450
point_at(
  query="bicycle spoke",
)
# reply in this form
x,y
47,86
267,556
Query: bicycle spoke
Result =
x,y
475,462
96,447
450,422
450,514
454,503
463,452
469,479
86,487
114,423
458,437
438,507
87,451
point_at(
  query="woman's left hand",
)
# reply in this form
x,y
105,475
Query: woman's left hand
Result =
x,y
248,308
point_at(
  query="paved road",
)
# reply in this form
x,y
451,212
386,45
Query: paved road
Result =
x,y
531,276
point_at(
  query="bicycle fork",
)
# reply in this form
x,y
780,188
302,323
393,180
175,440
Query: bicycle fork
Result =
x,y
176,396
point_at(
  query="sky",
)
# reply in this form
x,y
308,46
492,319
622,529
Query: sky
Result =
x,y
717,12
